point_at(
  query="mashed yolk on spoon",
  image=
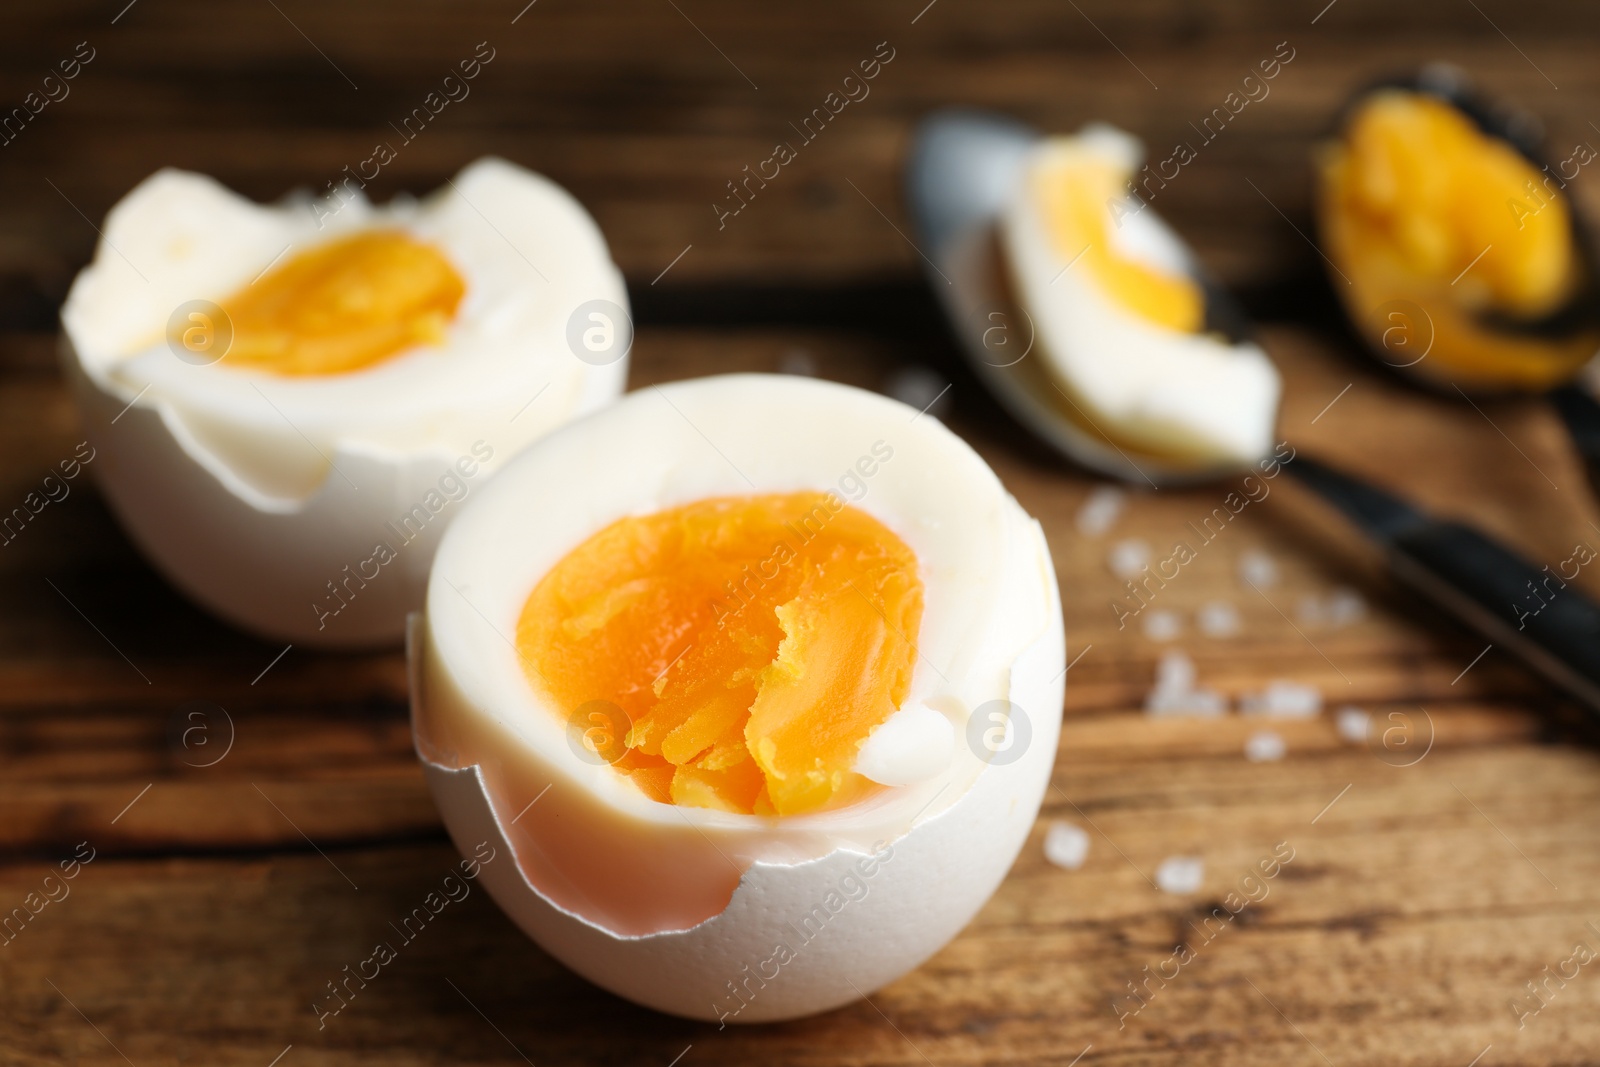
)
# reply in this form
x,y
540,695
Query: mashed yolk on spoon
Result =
x,y
344,305
1418,180
751,642
1418,204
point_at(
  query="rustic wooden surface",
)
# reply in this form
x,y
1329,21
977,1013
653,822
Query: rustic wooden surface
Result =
x,y
221,898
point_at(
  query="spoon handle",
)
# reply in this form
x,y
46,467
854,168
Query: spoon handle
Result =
x,y
1534,612
1582,416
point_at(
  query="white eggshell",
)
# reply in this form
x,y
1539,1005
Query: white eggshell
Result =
x,y
239,508
685,909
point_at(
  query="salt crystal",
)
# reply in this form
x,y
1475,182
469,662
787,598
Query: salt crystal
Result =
x,y
1161,701
1128,558
798,361
1191,703
1341,607
1311,611
1257,568
1345,606
1205,703
1174,670
1066,845
1218,618
1175,692
921,388
1101,510
1353,725
1283,700
1263,747
1162,625
1181,874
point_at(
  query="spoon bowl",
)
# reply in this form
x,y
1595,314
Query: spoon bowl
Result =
x,y
1483,350
1552,349
964,167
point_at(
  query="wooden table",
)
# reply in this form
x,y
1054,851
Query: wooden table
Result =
x,y
1429,883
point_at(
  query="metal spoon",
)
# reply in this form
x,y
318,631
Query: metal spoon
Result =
x,y
962,169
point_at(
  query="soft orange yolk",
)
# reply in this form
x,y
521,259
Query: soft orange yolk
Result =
x,y
1073,198
1418,178
344,305
752,642
1417,204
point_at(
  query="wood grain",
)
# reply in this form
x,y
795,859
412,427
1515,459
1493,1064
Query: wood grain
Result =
x,y
1423,894
646,120
1415,908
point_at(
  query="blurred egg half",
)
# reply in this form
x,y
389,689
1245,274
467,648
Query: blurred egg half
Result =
x,y
290,402
759,678
1119,311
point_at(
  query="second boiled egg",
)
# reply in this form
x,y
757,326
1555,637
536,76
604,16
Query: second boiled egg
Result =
x,y
289,403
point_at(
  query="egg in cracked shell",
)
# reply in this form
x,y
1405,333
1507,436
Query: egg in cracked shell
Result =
x,y
289,403
758,679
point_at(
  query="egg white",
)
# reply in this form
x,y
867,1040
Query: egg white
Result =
x,y
252,490
527,251
1157,389
656,901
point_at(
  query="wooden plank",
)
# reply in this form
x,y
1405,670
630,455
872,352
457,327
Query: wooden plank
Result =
x,y
1424,892
318,732
1399,933
646,123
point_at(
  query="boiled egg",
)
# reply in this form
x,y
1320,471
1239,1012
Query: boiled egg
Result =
x,y
1119,312
759,680
291,402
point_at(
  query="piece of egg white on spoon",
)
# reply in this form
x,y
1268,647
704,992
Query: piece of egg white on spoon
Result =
x,y
1081,309
1121,312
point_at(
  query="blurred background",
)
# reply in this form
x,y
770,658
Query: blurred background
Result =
x,y
646,110
1431,883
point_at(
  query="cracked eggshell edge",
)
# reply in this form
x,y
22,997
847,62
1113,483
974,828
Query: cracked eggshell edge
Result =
x,y
261,563
927,884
